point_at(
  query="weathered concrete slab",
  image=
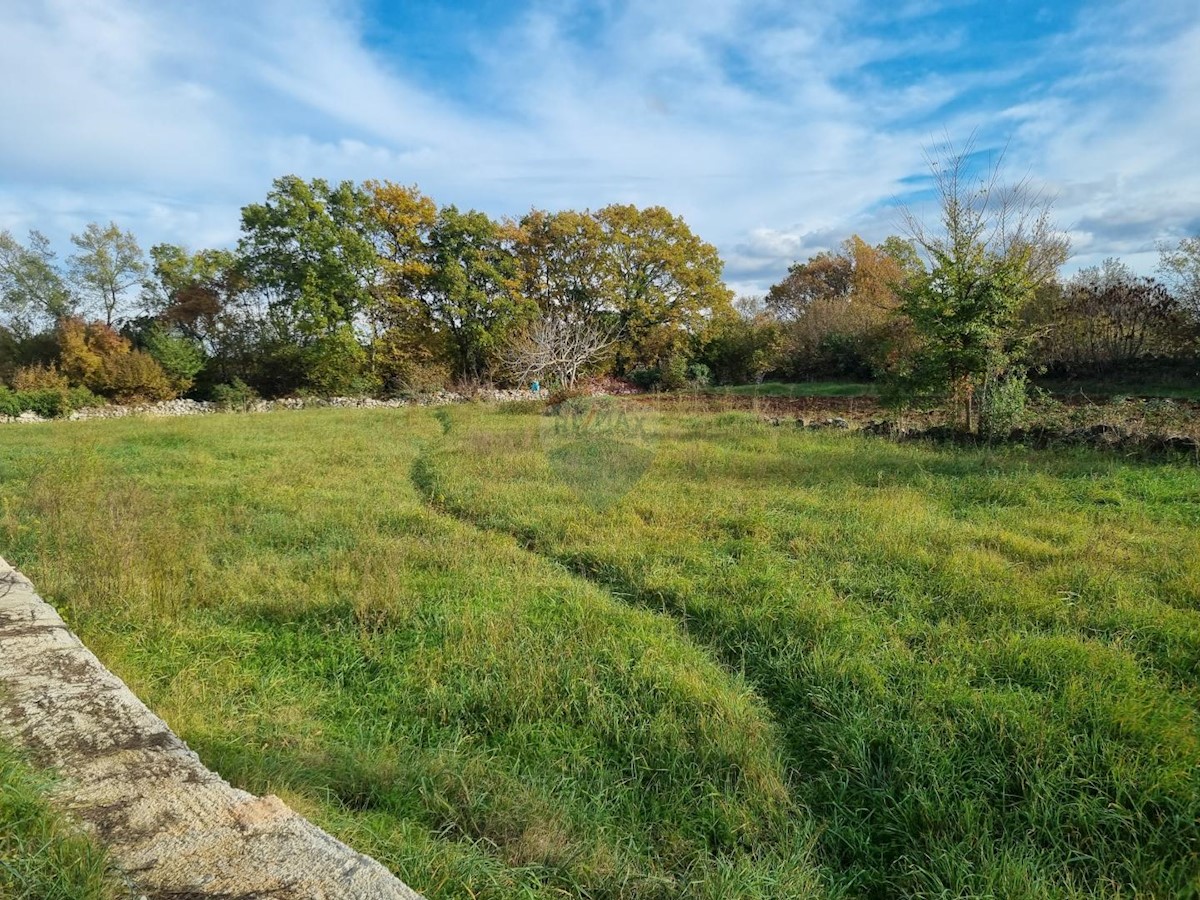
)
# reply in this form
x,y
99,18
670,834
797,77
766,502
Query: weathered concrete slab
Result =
x,y
174,827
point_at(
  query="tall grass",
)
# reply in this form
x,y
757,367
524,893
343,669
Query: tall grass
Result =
x,y
984,664
479,719
42,856
762,663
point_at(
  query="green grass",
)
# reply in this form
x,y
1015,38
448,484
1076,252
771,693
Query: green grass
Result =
x,y
779,664
800,389
41,856
1176,388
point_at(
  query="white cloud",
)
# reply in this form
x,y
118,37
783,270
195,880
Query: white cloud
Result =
x,y
754,120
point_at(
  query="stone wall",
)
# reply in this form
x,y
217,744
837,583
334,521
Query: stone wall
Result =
x,y
169,408
175,828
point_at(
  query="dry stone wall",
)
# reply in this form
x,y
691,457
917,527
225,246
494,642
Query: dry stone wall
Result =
x,y
175,828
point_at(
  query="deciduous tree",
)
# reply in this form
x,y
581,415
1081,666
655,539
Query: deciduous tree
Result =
x,y
109,263
1180,267
307,247
986,255
665,283
557,349
471,290
33,293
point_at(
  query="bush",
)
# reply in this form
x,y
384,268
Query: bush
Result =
x,y
134,377
235,395
179,357
10,403
39,378
646,379
699,376
48,403
336,365
95,356
674,372
1002,406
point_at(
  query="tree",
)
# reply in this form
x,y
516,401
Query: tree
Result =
x,y
991,249
557,349
204,298
565,265
745,346
470,291
307,248
836,309
1108,316
825,276
665,283
109,263
406,350
1180,267
181,358
32,291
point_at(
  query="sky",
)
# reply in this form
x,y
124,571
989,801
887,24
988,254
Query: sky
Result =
x,y
776,128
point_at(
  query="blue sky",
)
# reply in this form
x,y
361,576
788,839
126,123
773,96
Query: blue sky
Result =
x,y
775,128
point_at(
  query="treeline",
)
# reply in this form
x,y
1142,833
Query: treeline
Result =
x,y
840,315
339,289
373,288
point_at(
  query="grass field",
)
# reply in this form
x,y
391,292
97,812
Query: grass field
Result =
x,y
1176,388
729,661
800,389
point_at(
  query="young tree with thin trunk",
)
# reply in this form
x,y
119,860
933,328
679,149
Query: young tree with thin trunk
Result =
x,y
109,263
990,249
32,291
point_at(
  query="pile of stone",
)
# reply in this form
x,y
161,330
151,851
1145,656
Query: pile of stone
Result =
x,y
168,408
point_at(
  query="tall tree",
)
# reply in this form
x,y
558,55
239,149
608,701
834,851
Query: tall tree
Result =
x,y
307,248
665,282
405,348
564,264
826,276
32,291
471,290
1180,267
108,264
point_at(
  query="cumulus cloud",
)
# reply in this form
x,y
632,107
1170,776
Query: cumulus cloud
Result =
x,y
777,129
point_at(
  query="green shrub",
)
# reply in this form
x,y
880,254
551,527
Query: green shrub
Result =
x,y
49,403
10,403
235,395
179,357
646,379
336,365
1002,406
46,402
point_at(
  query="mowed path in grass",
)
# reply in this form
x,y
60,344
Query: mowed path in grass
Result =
x,y
478,719
983,664
785,664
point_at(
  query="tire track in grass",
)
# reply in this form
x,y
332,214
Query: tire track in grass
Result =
x,y
929,780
